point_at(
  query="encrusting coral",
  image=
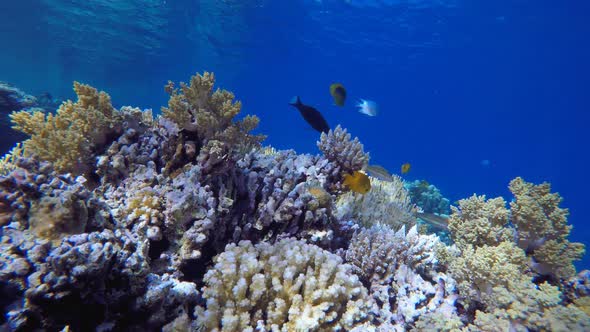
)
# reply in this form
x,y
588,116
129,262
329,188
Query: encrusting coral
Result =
x,y
288,286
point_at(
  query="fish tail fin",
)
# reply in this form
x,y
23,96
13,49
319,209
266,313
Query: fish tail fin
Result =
x,y
295,101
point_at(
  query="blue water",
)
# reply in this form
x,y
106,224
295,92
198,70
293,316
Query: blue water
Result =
x,y
471,93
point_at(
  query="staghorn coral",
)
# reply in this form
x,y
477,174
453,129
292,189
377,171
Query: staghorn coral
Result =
x,y
338,148
386,203
70,138
289,286
196,108
542,228
479,221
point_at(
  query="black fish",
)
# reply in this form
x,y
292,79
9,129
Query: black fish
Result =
x,y
311,115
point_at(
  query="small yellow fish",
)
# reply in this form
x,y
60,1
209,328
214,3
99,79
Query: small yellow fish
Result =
x,y
338,93
405,168
358,182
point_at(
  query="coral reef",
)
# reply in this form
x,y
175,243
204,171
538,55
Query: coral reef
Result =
x,y
542,228
347,154
70,138
288,286
427,197
386,203
498,281
13,99
7,162
402,273
477,222
113,220
196,108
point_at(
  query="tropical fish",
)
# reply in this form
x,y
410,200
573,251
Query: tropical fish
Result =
x,y
367,107
338,93
379,172
405,168
358,182
311,115
439,221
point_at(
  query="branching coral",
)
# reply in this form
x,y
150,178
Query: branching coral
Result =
x,y
376,253
542,228
386,203
289,286
400,270
70,138
494,274
169,194
479,271
196,108
7,163
479,222
347,154
280,203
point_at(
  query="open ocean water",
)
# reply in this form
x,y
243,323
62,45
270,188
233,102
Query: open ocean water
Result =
x,y
470,93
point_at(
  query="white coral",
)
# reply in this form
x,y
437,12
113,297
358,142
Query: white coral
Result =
x,y
400,269
386,203
288,286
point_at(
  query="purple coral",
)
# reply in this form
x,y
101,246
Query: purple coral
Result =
x,y
338,148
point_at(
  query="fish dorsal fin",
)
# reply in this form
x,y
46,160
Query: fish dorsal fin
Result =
x,y
295,101
402,232
413,232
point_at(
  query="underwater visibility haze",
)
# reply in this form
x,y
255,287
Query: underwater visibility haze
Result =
x,y
322,168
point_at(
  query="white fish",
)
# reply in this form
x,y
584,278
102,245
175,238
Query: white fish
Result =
x,y
367,107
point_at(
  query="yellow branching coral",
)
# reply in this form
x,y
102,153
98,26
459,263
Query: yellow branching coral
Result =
x,y
528,307
542,228
69,138
146,206
288,286
196,108
7,163
479,222
481,270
